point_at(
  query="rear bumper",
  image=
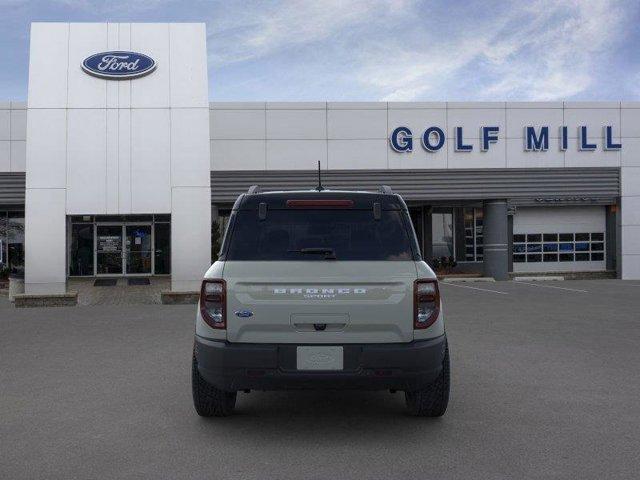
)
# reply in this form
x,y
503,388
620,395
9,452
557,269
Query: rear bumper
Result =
x,y
400,366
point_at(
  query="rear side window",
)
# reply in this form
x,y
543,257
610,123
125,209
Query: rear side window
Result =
x,y
303,234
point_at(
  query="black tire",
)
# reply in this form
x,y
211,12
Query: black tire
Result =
x,y
207,399
433,400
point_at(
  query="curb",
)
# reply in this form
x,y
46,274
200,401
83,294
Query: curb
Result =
x,y
24,300
538,279
468,279
179,298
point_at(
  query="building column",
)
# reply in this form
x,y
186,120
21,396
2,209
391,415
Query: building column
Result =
x,y
45,241
427,235
611,238
190,192
510,239
460,253
629,266
496,254
190,237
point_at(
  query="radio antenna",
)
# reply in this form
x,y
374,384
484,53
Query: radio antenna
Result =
x,y
320,187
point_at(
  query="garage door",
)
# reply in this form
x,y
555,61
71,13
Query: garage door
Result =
x,y
559,239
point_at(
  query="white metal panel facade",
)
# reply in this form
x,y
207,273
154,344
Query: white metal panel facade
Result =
x,y
100,146
13,136
346,126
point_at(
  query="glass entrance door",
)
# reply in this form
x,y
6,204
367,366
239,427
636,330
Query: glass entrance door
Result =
x,y
112,246
109,250
139,249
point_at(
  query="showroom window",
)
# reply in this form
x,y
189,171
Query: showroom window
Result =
x,y
11,242
442,233
81,249
4,268
218,227
120,245
162,240
558,247
473,218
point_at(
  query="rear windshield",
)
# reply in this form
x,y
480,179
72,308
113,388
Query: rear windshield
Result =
x,y
319,235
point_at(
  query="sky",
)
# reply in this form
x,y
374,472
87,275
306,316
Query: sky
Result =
x,y
377,50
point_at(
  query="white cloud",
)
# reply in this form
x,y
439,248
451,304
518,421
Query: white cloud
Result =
x,y
546,51
100,6
247,33
407,50
569,50
400,49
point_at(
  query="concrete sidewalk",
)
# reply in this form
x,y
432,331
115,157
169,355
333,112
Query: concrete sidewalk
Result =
x,y
121,294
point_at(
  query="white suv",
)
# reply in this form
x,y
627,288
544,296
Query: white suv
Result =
x,y
320,289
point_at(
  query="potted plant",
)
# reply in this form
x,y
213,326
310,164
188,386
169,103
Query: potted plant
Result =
x,y
443,265
4,276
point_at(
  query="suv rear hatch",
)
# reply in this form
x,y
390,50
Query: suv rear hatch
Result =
x,y
320,272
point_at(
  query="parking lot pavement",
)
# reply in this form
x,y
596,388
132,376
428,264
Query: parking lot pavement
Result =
x,y
545,384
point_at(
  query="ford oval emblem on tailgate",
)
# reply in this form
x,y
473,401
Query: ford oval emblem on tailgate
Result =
x,y
244,313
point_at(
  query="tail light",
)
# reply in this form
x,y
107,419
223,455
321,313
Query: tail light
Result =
x,y
213,303
426,303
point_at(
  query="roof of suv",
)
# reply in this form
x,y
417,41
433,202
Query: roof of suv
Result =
x,y
359,199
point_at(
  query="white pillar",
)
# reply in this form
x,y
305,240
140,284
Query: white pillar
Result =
x,y
496,239
630,222
190,237
45,241
190,158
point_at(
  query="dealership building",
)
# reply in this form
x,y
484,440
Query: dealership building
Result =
x,y
118,165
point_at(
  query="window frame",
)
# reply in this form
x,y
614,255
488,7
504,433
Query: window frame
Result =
x,y
529,248
477,257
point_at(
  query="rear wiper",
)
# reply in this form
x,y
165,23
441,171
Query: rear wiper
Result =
x,y
329,253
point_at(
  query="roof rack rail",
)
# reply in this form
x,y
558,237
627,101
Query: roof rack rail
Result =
x,y
386,189
253,189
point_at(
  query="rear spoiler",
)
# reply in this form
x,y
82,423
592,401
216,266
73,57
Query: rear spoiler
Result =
x,y
384,189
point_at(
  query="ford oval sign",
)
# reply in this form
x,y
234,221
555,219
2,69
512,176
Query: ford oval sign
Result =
x,y
118,65
244,313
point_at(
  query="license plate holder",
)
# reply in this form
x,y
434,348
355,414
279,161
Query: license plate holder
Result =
x,y
328,358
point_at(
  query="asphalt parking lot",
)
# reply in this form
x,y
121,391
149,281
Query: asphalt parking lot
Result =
x,y
545,384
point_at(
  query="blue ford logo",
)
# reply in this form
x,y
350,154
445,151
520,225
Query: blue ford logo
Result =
x,y
244,313
118,65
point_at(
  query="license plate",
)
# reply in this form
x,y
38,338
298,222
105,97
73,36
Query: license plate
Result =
x,y
320,358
